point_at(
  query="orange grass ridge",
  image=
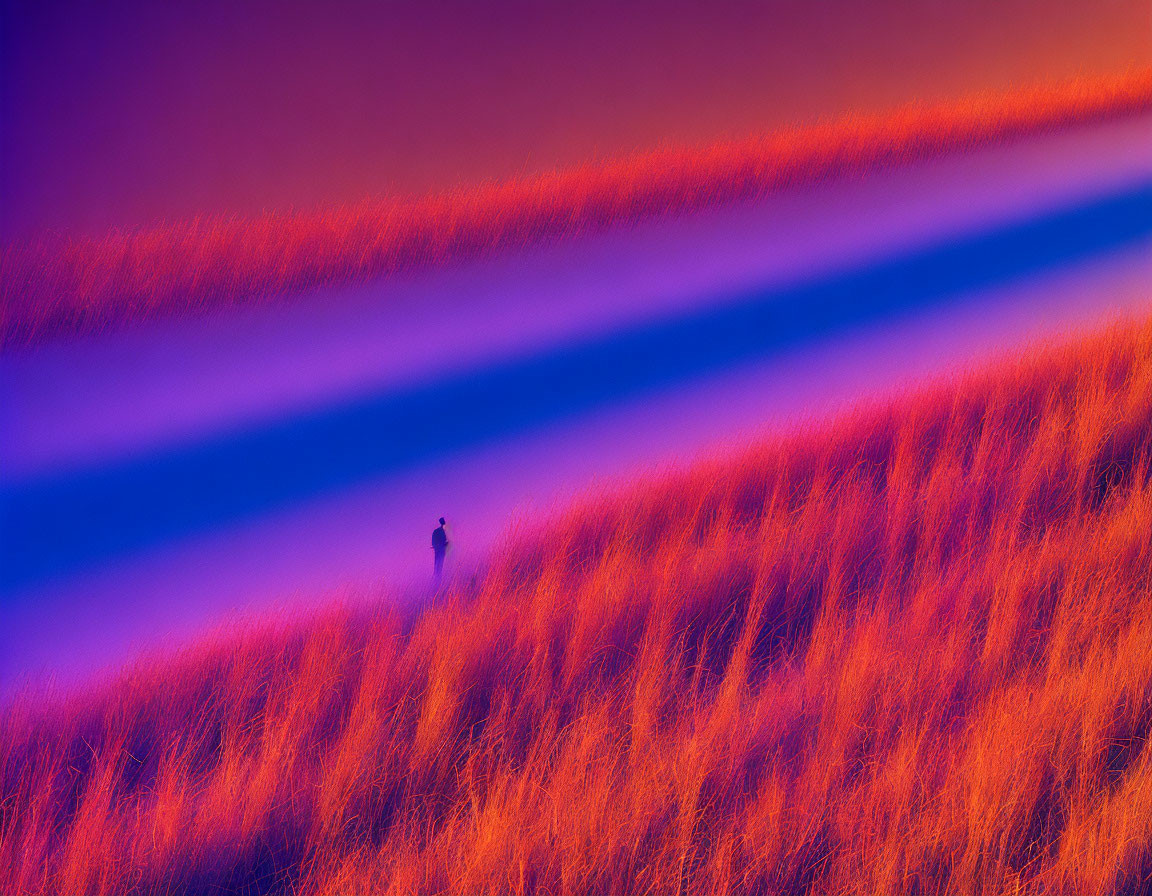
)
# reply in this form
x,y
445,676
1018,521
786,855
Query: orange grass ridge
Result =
x,y
58,286
906,652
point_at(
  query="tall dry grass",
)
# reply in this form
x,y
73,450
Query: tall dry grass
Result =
x,y
907,652
57,286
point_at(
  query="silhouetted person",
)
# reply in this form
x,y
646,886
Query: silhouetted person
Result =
x,y
439,547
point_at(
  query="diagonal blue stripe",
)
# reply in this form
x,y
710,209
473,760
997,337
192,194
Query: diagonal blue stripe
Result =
x,y
56,525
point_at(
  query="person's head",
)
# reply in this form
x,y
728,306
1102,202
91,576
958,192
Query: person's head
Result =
x,y
441,521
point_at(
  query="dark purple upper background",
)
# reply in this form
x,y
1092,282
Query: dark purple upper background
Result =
x,y
117,114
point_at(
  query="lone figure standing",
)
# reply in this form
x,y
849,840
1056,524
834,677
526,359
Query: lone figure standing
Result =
x,y
439,547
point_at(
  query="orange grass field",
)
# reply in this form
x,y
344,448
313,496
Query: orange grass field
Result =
x,y
56,285
905,652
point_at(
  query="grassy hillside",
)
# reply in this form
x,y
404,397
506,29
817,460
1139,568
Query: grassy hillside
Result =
x,y
59,286
907,652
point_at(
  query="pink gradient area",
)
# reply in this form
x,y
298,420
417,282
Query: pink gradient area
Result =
x,y
373,543
106,397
